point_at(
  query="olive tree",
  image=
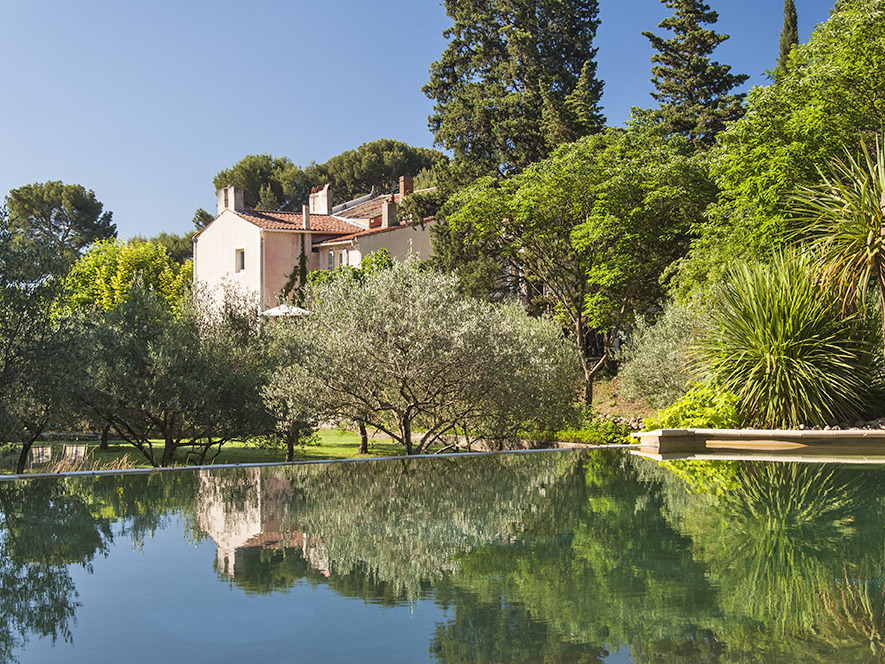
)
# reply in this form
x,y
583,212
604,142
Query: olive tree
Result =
x,y
404,353
38,352
190,376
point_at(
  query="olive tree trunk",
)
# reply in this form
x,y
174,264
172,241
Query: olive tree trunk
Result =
x,y
364,438
26,448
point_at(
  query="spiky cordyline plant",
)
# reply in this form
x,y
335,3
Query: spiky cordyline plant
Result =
x,y
779,341
843,223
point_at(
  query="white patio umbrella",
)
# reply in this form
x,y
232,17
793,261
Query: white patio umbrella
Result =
x,y
285,310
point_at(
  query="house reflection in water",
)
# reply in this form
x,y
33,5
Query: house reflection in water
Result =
x,y
249,510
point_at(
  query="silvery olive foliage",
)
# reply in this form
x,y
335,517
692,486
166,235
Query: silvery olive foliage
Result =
x,y
657,358
191,377
403,352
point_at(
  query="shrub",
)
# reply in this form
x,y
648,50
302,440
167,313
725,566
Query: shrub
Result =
x,y
704,406
657,367
597,430
780,342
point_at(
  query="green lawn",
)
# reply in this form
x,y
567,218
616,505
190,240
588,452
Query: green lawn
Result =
x,y
333,444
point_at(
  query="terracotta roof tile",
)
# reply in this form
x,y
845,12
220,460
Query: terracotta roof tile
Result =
x,y
291,221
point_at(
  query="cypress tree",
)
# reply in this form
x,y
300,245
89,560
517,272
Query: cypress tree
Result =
x,y
789,36
693,90
517,78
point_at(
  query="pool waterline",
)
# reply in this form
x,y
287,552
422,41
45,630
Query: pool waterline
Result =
x,y
224,466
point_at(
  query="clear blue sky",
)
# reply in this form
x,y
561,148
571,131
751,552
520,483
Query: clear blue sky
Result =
x,y
144,101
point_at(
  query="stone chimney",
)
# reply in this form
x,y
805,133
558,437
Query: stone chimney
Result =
x,y
305,217
388,213
319,200
406,185
230,198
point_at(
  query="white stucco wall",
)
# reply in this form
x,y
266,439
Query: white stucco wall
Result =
x,y
215,254
399,242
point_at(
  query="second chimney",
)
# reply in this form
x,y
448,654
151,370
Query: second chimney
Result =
x,y
388,213
305,217
406,186
320,203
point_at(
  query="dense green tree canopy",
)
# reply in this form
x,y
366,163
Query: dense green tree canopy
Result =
x,y
275,183
269,183
179,247
517,78
106,275
693,90
586,233
66,215
376,165
830,98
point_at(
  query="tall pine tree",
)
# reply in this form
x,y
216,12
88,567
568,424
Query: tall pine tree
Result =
x,y
693,90
517,78
789,36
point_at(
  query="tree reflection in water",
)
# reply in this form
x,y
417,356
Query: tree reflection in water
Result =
x,y
48,525
402,523
779,546
43,528
545,557
570,557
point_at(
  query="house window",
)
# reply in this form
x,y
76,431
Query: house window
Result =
x,y
240,260
342,258
331,260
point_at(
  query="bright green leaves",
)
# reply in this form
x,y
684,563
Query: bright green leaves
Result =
x,y
831,96
106,274
588,232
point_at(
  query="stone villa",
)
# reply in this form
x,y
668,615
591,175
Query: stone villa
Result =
x,y
258,250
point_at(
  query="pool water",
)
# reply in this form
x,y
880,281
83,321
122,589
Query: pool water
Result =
x,y
560,556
